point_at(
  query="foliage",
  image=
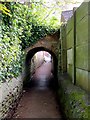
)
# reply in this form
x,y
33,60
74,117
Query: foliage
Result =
x,y
18,32
28,22
10,54
4,9
10,49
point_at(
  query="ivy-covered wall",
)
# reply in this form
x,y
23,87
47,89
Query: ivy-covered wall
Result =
x,y
11,56
20,27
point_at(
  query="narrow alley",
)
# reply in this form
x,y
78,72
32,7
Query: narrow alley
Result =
x,y
39,100
45,60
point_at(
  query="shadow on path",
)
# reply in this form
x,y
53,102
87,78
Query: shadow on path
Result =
x,y
39,100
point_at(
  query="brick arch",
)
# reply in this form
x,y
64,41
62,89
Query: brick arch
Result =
x,y
50,42
29,56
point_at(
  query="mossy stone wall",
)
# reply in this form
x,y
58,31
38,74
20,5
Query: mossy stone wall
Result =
x,y
69,41
83,46
63,49
74,100
77,39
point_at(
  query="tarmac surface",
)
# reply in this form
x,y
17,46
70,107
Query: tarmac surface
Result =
x,y
39,100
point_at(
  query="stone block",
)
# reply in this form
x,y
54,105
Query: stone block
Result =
x,y
89,57
69,70
70,25
82,31
82,57
82,11
63,37
64,47
83,79
64,60
89,81
89,28
69,56
69,39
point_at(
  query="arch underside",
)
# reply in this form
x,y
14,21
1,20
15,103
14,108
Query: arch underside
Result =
x,y
29,56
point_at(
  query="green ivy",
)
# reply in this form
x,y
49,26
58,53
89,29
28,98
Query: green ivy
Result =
x,y
18,31
10,49
28,25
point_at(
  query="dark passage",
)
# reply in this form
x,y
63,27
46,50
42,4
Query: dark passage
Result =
x,y
39,100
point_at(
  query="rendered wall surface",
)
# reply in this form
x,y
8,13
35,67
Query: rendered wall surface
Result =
x,y
10,92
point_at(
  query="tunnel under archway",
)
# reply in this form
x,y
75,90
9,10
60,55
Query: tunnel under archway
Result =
x,y
30,55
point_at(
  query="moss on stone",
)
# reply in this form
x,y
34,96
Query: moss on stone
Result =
x,y
74,100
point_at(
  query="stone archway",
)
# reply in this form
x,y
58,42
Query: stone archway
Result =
x,y
29,56
50,42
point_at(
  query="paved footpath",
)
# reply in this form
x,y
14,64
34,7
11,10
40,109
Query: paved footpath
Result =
x,y
39,100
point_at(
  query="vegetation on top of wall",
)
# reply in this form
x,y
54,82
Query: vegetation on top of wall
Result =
x,y
10,50
30,27
21,27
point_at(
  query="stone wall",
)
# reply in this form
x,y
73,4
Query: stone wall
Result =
x,y
75,50
83,46
10,92
63,49
36,61
73,100
70,40
49,42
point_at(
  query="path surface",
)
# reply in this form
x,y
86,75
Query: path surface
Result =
x,y
39,101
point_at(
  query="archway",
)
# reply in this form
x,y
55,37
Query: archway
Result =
x,y
29,56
